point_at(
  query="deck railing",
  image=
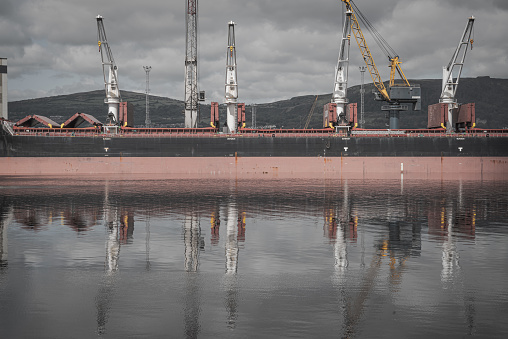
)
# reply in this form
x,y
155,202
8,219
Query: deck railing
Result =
x,y
249,133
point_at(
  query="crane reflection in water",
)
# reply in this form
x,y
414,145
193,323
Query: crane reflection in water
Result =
x,y
194,243
344,215
370,247
6,216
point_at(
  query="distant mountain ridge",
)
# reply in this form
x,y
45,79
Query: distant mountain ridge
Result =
x,y
489,94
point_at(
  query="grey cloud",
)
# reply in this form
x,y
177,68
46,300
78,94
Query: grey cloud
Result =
x,y
477,5
285,47
8,8
501,4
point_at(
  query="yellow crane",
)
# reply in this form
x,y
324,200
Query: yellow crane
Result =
x,y
309,116
394,95
367,55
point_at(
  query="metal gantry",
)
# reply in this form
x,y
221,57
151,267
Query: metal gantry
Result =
x,y
191,65
148,122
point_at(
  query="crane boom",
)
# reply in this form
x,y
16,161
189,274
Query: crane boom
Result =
x,y
110,72
452,72
339,95
395,95
366,54
395,66
311,112
451,82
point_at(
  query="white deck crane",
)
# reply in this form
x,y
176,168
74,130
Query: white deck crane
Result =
x,y
452,72
339,95
110,71
231,91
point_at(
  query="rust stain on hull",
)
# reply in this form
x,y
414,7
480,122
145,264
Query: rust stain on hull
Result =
x,y
252,167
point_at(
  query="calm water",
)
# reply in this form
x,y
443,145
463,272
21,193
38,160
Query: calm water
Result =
x,y
82,258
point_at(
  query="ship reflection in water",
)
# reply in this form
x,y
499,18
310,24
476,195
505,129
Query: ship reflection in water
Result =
x,y
272,258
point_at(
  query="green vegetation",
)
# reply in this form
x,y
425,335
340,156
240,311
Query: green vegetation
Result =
x,y
489,94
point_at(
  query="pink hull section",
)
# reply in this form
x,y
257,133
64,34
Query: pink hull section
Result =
x,y
266,167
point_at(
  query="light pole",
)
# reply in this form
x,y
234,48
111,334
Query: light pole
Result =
x,y
254,116
148,122
362,92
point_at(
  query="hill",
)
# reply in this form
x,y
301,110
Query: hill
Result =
x,y
163,111
489,94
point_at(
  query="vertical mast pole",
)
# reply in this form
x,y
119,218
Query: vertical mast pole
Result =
x,y
148,122
254,122
191,65
4,112
362,97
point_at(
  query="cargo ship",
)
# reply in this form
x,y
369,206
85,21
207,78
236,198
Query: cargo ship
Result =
x,y
357,153
82,145
450,146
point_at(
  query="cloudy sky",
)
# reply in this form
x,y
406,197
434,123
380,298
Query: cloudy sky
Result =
x,y
285,48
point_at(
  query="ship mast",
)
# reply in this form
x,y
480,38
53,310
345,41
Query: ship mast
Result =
x,y
148,122
231,92
191,65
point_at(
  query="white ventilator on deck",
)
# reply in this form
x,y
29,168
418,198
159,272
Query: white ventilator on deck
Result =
x,y
452,72
231,92
339,95
110,72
